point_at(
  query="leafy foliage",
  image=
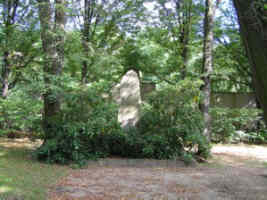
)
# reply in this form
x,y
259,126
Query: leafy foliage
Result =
x,y
237,125
88,129
173,113
21,112
85,117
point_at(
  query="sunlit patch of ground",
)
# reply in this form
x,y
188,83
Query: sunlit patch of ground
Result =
x,y
20,143
241,151
21,176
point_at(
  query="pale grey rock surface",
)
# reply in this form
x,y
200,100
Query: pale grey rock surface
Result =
x,y
129,100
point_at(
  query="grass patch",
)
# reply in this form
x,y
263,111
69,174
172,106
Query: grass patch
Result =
x,y
22,177
265,164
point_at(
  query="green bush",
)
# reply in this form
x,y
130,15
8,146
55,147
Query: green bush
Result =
x,y
172,114
170,126
237,125
85,130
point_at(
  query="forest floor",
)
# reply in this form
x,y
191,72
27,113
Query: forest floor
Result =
x,y
236,172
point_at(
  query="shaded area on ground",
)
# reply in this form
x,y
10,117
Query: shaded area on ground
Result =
x,y
225,177
236,172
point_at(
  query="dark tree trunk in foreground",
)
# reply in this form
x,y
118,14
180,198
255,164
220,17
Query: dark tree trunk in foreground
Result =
x,y
253,27
207,64
52,35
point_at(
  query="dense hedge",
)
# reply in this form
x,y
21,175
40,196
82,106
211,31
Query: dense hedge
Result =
x,y
170,127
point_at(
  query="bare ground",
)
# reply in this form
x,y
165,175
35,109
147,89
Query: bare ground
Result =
x,y
236,172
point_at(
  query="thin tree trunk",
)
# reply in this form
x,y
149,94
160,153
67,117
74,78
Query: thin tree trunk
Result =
x,y
185,36
85,38
253,28
60,35
208,64
5,75
185,56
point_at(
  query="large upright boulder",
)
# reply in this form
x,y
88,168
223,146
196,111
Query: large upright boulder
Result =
x,y
130,100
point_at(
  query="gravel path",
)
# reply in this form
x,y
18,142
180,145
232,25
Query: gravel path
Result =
x,y
234,173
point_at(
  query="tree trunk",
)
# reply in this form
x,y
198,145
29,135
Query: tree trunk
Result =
x,y
253,28
207,65
5,75
59,29
87,18
52,35
185,36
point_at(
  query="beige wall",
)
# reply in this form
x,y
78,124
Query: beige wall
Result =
x,y
233,100
227,100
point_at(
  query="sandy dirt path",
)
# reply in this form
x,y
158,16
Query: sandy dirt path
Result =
x,y
236,172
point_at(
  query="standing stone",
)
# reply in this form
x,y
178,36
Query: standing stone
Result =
x,y
130,100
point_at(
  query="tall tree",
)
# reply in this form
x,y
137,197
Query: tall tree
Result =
x,y
252,16
179,21
101,23
207,64
90,21
185,32
8,14
52,35
17,23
